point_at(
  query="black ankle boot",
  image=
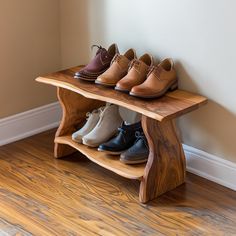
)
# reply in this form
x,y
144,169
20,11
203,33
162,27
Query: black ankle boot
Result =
x,y
138,153
123,141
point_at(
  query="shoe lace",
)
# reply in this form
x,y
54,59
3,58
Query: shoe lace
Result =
x,y
121,130
100,110
140,135
116,58
99,48
134,63
156,70
88,114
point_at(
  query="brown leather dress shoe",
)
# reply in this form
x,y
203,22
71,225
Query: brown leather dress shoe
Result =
x,y
117,70
160,79
99,64
137,73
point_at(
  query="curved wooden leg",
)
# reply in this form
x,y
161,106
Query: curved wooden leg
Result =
x,y
74,109
166,166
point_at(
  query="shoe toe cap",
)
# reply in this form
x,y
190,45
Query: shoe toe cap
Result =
x,y
140,90
103,79
129,157
89,141
105,147
110,146
123,85
77,137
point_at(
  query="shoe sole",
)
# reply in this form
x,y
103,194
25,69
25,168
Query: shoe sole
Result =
x,y
86,79
91,75
171,87
77,141
89,78
133,162
97,145
122,90
104,84
110,152
90,145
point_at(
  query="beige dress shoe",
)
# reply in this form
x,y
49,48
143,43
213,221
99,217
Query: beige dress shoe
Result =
x,y
106,127
117,70
137,73
160,79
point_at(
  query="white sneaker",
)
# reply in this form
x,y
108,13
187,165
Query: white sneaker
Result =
x,y
106,127
92,120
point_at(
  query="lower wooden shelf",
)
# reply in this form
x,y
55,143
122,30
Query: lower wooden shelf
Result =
x,y
109,162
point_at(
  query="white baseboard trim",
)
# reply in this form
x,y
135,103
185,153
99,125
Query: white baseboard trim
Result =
x,y
211,167
43,118
26,124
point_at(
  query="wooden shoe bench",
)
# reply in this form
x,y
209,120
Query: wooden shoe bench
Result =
x,y
166,166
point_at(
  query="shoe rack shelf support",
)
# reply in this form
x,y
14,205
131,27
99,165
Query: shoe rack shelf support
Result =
x,y
166,165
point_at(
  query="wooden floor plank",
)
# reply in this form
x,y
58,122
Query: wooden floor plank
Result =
x,y
40,195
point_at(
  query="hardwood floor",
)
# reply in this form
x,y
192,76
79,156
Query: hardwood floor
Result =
x,y
40,195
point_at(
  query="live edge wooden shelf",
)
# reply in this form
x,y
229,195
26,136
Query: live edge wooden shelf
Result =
x,y
166,166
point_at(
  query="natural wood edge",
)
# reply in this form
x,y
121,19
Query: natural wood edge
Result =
x,y
130,106
86,151
98,97
184,96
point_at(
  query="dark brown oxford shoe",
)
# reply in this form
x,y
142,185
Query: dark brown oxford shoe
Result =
x,y
99,64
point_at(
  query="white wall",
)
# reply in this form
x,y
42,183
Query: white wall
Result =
x,y
199,34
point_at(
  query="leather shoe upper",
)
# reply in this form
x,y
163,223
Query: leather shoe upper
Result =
x,y
124,139
99,64
138,153
160,79
137,73
105,128
118,69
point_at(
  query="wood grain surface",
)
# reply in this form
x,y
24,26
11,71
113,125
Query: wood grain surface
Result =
x,y
171,105
166,167
43,196
74,109
110,162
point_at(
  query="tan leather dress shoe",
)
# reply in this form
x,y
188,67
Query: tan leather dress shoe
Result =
x,y
160,79
137,73
118,69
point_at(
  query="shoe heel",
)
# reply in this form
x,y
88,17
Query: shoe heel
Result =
x,y
174,86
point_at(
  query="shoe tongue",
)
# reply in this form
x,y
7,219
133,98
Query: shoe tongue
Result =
x,y
99,50
144,63
96,60
101,109
124,58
